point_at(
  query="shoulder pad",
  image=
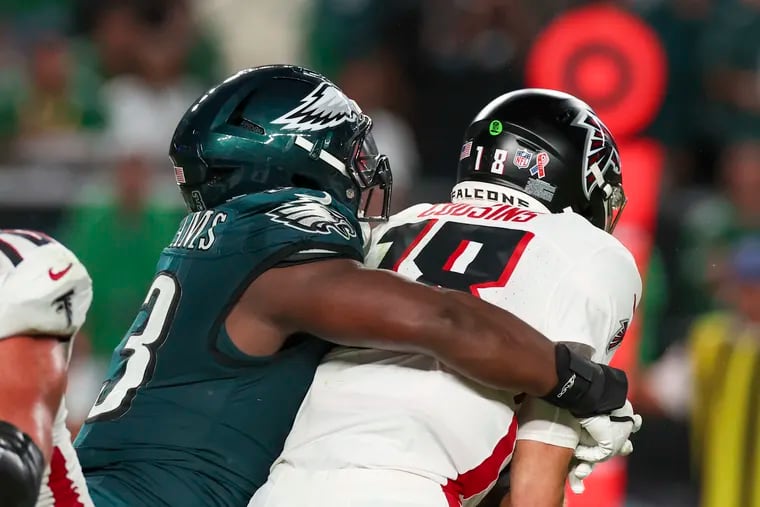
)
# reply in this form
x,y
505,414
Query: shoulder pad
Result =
x,y
410,212
285,222
317,214
408,215
303,209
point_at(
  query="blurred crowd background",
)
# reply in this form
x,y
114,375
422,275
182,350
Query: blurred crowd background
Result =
x,y
91,90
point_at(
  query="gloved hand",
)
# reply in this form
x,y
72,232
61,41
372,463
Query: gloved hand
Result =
x,y
609,435
603,437
579,471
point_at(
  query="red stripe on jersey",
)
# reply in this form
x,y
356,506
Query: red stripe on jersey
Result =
x,y
64,494
454,256
478,479
508,269
414,243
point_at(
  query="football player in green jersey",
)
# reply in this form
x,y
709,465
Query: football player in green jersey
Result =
x,y
273,164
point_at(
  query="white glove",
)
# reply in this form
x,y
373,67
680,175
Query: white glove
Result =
x,y
608,435
602,438
578,472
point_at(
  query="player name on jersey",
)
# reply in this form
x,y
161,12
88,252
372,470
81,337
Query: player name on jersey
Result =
x,y
197,230
504,212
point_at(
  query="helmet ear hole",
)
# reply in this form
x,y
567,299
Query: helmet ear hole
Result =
x,y
221,173
236,118
249,125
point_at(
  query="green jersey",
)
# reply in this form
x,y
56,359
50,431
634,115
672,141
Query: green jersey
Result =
x,y
185,418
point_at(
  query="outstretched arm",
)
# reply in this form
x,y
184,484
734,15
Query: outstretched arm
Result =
x,y
344,302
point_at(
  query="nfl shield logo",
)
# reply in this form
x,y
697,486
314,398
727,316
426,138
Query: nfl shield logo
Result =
x,y
522,158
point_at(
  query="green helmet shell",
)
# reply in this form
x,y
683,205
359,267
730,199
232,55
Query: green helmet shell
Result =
x,y
273,127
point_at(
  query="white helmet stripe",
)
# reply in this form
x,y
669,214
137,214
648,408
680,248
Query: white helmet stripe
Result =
x,y
307,145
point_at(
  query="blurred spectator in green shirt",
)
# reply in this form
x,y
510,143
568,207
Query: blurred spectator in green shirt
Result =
x,y
119,240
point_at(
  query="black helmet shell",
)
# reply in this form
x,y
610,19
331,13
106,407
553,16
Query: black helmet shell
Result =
x,y
550,145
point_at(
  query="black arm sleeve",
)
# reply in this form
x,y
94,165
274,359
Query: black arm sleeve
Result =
x,y
586,388
21,467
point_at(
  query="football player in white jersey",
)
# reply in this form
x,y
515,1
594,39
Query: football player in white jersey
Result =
x,y
45,293
539,191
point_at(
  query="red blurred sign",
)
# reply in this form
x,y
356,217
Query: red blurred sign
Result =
x,y
609,58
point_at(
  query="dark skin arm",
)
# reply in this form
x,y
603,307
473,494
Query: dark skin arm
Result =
x,y
32,383
343,302
537,478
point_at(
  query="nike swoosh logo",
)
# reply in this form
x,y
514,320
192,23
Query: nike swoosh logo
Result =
x,y
57,276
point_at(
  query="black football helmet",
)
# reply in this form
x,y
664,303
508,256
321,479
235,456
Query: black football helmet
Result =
x,y
273,127
551,146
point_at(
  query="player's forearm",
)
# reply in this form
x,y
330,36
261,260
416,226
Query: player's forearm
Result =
x,y
474,338
343,302
493,346
537,476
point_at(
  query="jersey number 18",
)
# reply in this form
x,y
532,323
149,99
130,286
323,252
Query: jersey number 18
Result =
x,y
455,255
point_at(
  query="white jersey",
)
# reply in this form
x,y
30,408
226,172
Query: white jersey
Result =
x,y
377,410
45,290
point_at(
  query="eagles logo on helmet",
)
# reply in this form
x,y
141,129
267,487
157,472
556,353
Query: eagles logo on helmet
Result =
x,y
324,107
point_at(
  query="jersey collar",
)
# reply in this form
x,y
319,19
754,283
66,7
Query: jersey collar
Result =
x,y
479,191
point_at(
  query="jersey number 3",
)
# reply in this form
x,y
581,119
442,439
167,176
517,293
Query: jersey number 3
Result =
x,y
139,350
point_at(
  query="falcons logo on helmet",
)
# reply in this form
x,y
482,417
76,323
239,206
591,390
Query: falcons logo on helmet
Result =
x,y
324,107
311,214
600,155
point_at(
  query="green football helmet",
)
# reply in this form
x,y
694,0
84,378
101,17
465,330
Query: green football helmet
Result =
x,y
274,127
